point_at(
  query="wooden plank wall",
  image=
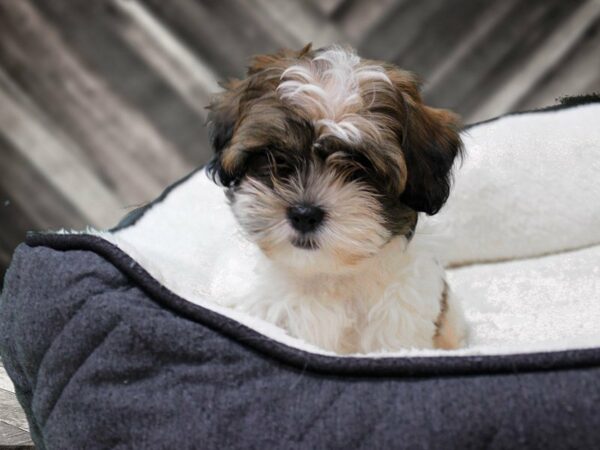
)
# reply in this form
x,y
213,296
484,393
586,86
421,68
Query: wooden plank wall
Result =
x,y
102,102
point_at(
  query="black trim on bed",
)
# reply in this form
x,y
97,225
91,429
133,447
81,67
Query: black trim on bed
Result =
x,y
306,361
565,102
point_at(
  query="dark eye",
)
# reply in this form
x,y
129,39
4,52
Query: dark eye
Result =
x,y
264,163
321,151
258,162
362,167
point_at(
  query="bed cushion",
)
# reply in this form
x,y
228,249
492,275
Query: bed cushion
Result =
x,y
120,339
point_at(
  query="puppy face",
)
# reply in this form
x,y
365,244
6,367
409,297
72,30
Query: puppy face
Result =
x,y
326,156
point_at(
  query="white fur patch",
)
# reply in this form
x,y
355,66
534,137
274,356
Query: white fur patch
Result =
x,y
389,304
329,89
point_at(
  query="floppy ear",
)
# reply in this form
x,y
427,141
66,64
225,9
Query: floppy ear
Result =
x,y
224,111
430,143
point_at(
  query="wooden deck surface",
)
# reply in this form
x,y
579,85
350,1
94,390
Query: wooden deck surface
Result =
x,y
102,102
14,430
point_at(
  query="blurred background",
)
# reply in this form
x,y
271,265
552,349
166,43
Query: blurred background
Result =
x,y
102,102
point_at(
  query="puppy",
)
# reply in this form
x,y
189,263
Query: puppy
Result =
x,y
327,160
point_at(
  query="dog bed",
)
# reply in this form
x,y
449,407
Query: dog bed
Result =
x,y
122,339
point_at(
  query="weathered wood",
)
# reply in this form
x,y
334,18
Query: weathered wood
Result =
x,y
24,186
14,438
505,48
552,51
358,18
14,429
5,382
29,202
98,35
577,74
54,158
219,29
118,140
328,7
191,78
11,412
399,28
483,25
13,226
306,26
448,27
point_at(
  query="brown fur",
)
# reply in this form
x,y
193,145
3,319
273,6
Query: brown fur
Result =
x,y
407,147
446,334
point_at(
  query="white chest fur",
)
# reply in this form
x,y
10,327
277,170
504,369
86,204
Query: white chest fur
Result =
x,y
389,302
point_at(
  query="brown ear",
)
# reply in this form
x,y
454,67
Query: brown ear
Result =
x,y
225,112
430,143
227,107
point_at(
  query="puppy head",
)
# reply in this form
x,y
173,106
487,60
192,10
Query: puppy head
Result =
x,y
326,156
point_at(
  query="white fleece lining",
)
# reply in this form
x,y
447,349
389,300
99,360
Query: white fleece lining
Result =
x,y
528,187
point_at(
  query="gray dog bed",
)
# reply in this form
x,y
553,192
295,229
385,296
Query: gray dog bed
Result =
x,y
124,339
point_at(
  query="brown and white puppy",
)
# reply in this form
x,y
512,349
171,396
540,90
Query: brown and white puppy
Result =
x,y
327,160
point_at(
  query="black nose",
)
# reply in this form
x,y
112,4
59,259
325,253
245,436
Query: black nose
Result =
x,y
305,218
